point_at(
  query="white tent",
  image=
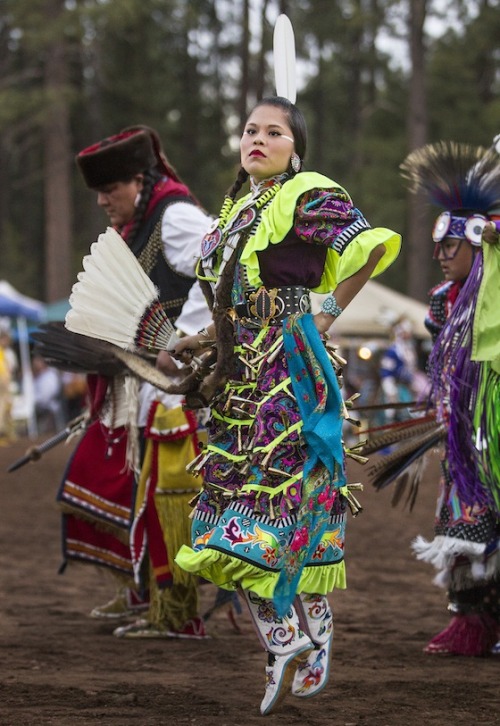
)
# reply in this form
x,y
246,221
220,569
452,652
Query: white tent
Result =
x,y
374,309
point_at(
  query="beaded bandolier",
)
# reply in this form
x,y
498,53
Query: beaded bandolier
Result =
x,y
229,238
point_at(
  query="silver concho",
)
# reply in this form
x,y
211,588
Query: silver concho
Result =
x,y
441,227
474,228
305,304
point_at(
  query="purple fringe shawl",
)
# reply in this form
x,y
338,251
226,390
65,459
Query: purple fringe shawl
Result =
x,y
455,381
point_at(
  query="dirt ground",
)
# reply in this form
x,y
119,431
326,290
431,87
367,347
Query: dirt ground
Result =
x,y
58,666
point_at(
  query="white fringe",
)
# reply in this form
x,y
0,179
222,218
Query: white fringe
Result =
x,y
132,385
442,553
122,409
443,549
115,410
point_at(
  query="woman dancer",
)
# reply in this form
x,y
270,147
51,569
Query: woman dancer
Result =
x,y
270,519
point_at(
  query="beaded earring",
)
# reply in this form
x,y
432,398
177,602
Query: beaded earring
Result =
x,y
295,162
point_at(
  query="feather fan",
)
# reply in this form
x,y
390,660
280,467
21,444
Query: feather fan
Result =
x,y
73,352
285,77
140,367
114,299
70,351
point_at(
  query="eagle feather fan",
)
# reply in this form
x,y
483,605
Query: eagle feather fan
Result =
x,y
114,300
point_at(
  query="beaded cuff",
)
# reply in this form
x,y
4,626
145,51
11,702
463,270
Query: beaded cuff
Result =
x,y
330,306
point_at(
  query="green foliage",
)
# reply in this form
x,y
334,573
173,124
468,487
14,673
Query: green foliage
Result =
x,y
464,80
176,65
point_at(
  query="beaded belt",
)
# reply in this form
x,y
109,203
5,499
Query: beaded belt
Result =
x,y
269,306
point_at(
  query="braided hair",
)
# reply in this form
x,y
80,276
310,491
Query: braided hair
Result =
x,y
151,177
226,356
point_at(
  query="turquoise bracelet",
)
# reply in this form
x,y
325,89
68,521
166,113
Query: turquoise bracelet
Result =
x,y
330,306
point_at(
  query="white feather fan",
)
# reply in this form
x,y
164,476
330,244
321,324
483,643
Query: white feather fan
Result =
x,y
285,76
115,300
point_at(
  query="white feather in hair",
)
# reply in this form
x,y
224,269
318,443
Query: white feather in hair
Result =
x,y
115,300
285,76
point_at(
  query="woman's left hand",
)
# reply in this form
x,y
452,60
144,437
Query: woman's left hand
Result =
x,y
490,234
166,364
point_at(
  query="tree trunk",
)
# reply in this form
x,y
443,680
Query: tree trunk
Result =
x,y
57,174
261,59
418,242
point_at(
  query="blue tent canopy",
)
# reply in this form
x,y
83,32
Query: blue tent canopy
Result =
x,y
12,309
57,310
15,305
24,310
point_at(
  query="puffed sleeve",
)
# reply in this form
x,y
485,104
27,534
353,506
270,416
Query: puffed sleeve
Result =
x,y
328,217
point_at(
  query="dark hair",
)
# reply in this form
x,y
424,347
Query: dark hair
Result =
x,y
151,177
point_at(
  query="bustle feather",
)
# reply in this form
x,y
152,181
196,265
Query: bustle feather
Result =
x,y
390,467
285,76
395,433
114,299
409,482
455,175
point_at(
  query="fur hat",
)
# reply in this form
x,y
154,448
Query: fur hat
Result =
x,y
162,165
117,158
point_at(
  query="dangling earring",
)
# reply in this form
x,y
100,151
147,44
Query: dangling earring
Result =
x,y
295,162
137,199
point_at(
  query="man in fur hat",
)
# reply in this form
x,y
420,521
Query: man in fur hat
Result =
x,y
130,465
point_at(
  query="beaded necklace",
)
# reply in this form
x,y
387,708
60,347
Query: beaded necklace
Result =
x,y
225,234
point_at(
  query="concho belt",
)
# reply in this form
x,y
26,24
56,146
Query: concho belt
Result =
x,y
270,306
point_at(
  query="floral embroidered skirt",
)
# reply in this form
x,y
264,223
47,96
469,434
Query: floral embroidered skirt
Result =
x,y
246,514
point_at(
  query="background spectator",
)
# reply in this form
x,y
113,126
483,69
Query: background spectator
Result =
x,y
48,396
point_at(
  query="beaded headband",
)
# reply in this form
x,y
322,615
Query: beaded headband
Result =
x,y
469,228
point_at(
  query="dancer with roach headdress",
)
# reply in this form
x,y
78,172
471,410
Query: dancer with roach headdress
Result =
x,y
464,182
